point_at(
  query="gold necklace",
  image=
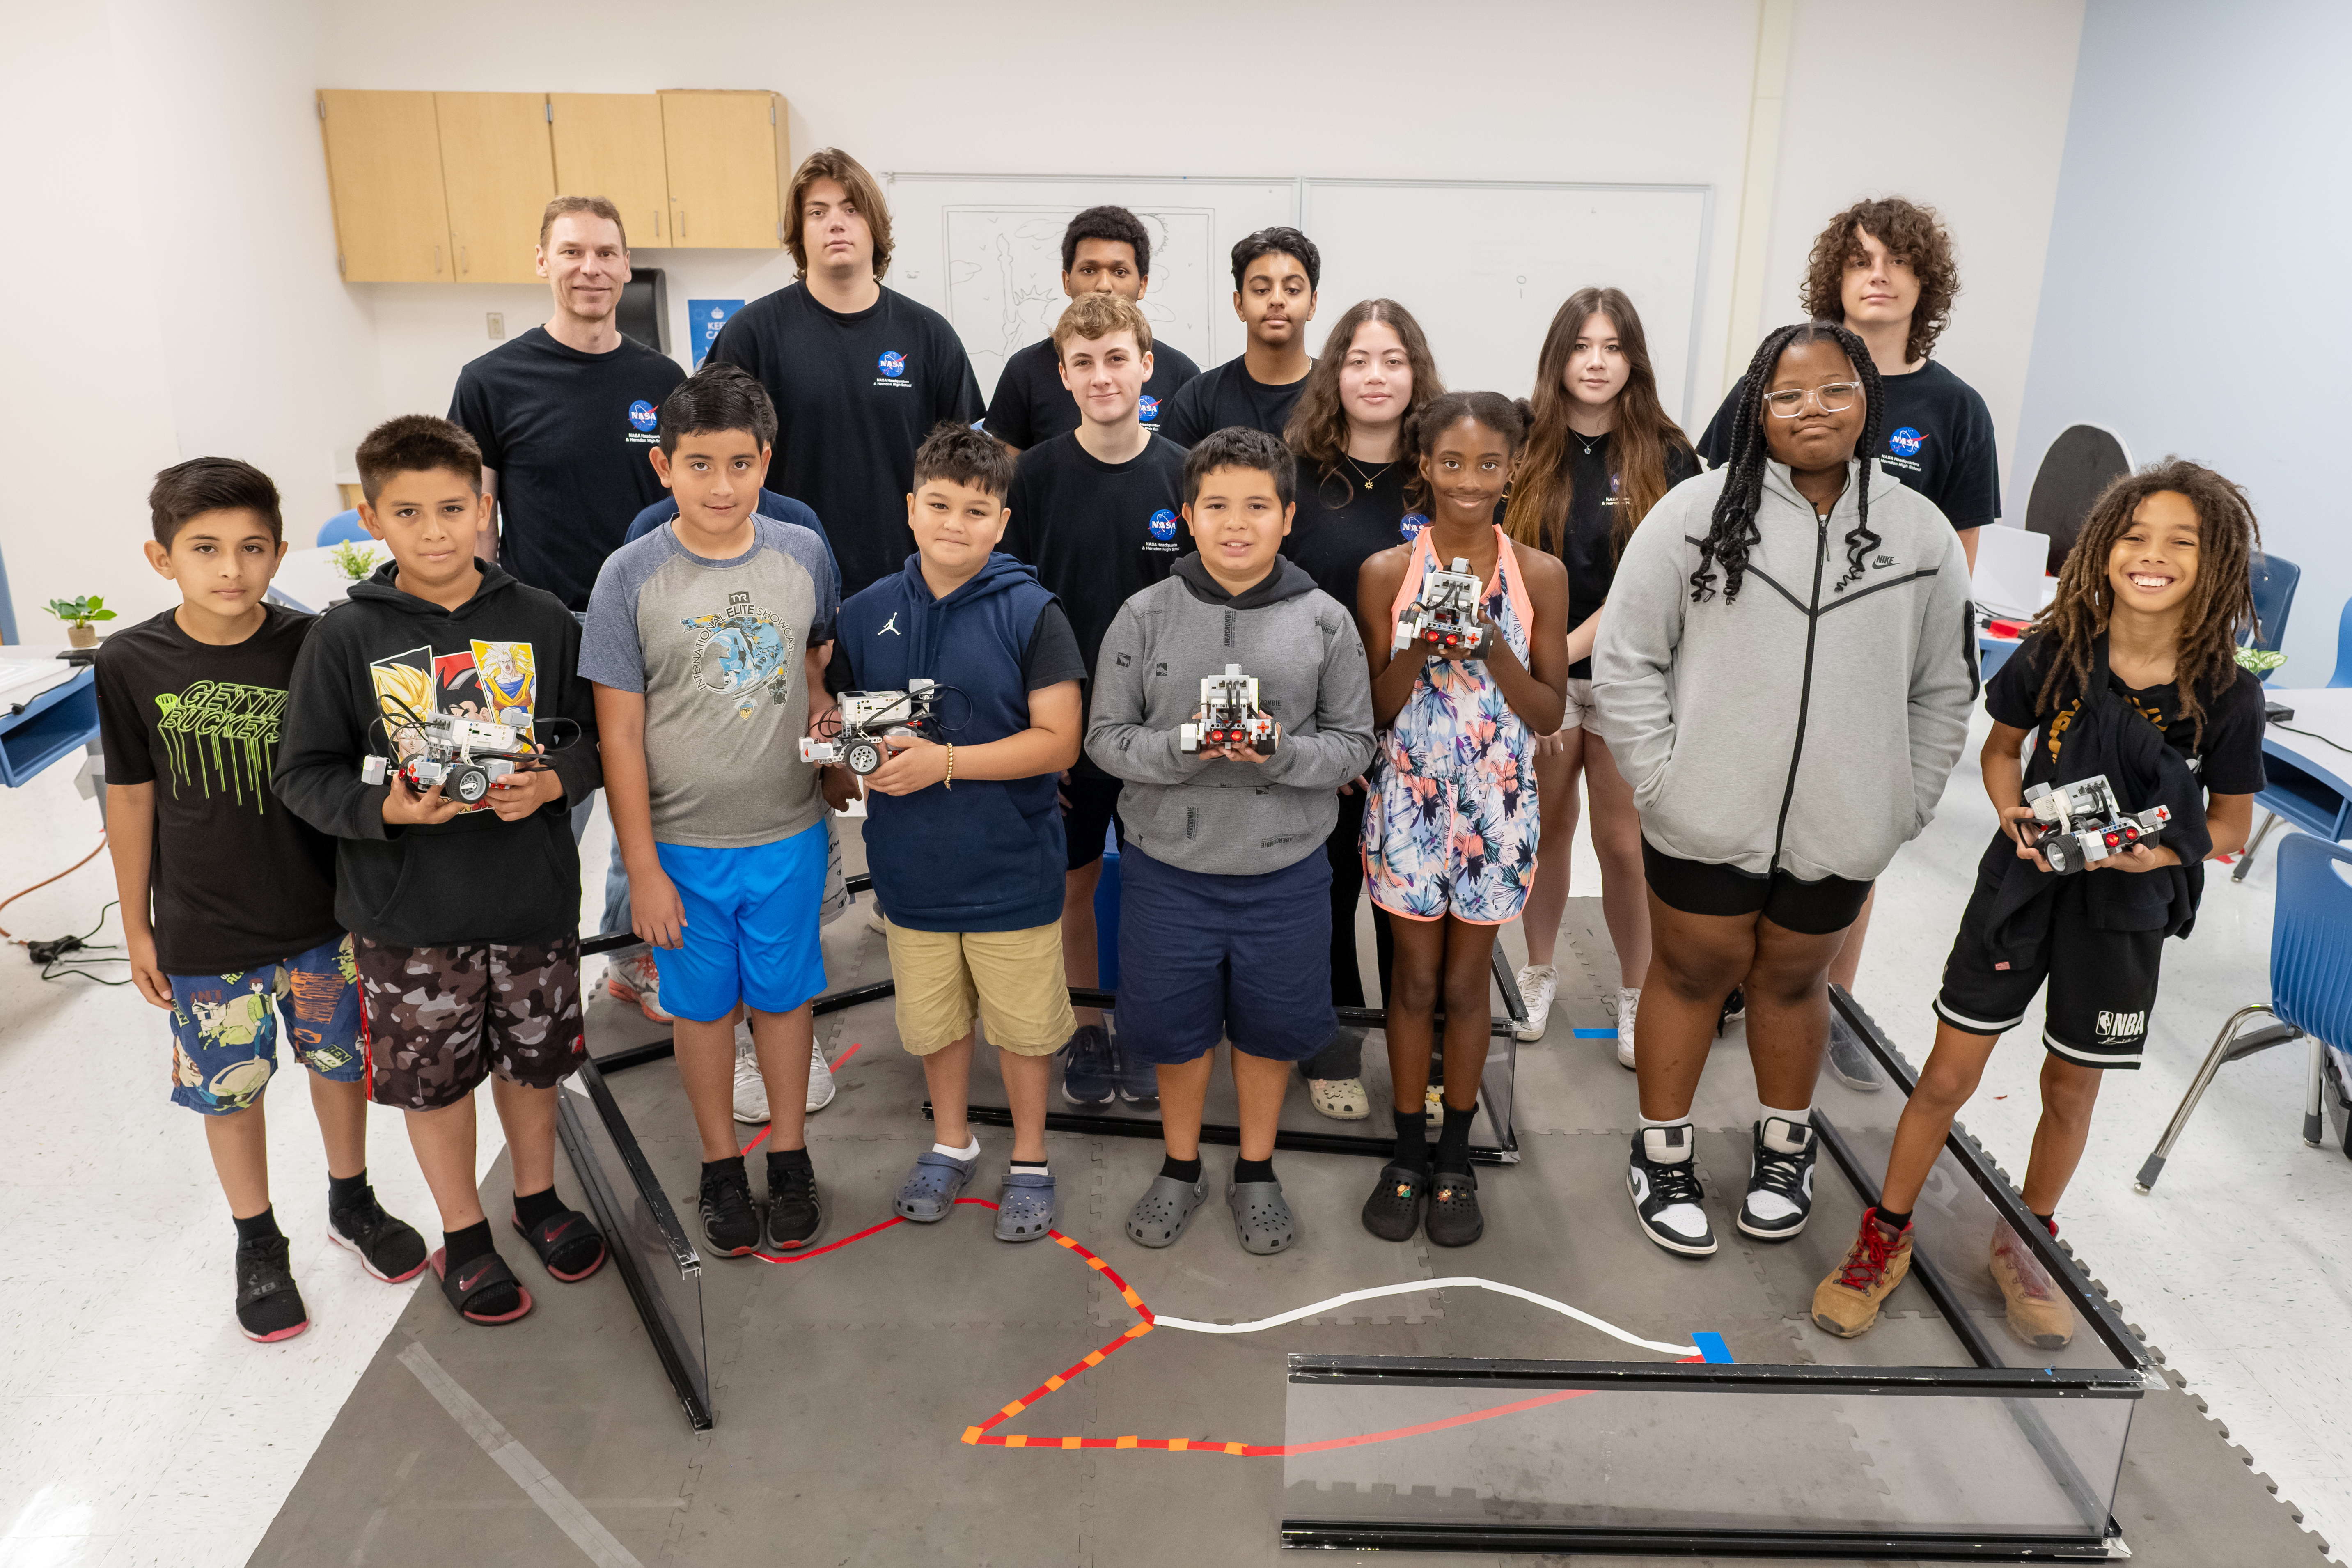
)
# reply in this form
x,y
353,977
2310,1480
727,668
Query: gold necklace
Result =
x,y
1368,478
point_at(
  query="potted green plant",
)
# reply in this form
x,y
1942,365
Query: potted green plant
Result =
x,y
354,559
81,616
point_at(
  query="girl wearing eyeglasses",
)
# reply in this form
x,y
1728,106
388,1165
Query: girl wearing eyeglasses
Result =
x,y
1784,676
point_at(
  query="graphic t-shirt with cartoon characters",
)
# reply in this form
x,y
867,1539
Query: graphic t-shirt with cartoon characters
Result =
x,y
716,647
239,882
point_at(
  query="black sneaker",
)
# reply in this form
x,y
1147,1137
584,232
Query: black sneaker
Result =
x,y
1662,1180
1735,1008
793,1216
269,1307
1849,1058
729,1221
388,1248
1393,1211
1780,1180
1136,1083
1087,1071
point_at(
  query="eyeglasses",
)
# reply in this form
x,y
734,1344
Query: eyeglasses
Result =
x,y
1835,398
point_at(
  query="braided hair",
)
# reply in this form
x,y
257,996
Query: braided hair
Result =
x,y
1732,531
2220,601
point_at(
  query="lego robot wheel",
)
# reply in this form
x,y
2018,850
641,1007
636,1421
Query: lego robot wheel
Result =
x,y
466,784
2055,850
862,757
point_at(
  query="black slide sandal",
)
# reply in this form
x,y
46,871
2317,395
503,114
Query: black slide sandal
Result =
x,y
472,1280
562,1241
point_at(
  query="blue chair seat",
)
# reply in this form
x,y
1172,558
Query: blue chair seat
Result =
x,y
343,528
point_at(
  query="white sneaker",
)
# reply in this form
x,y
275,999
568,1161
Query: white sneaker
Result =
x,y
1629,999
750,1089
632,977
1538,983
819,1093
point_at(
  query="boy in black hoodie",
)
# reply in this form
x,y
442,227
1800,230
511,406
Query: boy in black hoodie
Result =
x,y
464,919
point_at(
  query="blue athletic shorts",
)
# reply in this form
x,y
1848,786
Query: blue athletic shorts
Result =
x,y
752,921
1202,956
225,1028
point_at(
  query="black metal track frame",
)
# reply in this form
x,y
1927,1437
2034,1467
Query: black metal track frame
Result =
x,y
1339,1535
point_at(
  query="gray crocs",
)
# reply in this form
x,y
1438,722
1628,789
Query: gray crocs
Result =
x,y
1024,1210
932,1187
1261,1218
1159,1216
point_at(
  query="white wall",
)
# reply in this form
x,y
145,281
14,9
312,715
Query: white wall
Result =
x,y
242,335
2193,300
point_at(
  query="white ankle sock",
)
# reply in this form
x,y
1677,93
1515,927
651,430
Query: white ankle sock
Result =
x,y
970,1151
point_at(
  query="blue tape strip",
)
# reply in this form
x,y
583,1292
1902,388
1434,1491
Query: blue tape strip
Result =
x,y
1596,1034
1711,1347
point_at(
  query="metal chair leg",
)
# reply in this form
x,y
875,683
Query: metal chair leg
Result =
x,y
2146,1180
2314,1128
2246,858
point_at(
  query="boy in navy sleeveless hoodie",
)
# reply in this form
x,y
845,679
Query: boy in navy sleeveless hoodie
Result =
x,y
963,827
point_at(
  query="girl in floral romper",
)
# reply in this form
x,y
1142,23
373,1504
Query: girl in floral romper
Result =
x,y
1450,831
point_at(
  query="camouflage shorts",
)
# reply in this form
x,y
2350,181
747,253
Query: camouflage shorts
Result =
x,y
441,1019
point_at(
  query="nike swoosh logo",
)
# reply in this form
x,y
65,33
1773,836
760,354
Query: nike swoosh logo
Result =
x,y
467,1282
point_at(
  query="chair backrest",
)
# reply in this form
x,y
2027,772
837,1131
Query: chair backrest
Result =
x,y
2008,579
2275,578
2311,939
2082,462
2343,676
343,528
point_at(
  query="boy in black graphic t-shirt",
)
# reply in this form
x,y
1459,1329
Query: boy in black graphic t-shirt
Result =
x,y
1105,250
859,374
1099,512
242,929
1276,274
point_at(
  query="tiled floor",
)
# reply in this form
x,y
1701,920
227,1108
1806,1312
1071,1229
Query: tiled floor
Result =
x,y
136,1426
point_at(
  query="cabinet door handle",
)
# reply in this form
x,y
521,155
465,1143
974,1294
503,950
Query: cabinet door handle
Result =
x,y
681,222
436,258
657,223
463,264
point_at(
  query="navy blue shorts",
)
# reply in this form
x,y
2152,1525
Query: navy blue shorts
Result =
x,y
1203,957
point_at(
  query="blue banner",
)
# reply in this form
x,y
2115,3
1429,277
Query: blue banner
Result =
x,y
705,318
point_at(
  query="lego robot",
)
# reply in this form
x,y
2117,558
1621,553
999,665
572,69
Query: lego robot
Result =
x,y
1446,613
1230,715
2080,824
865,717
464,756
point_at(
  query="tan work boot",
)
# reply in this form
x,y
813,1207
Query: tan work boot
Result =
x,y
1846,1303
2038,1314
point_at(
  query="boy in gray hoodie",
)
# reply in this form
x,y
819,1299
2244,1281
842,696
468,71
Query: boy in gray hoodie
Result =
x,y
1224,906
1784,676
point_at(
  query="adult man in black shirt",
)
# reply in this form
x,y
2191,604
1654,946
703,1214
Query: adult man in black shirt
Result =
x,y
1105,250
1276,274
565,414
858,372
1100,513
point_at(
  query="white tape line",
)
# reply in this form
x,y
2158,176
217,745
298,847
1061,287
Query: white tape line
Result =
x,y
586,1532
1408,1287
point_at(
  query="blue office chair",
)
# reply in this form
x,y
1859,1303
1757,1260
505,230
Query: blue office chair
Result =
x,y
2311,985
2343,676
343,528
2275,578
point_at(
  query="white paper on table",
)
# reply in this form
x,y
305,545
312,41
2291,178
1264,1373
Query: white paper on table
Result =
x,y
22,679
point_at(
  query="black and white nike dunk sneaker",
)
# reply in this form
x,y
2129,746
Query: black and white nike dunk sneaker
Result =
x,y
1780,1180
1663,1180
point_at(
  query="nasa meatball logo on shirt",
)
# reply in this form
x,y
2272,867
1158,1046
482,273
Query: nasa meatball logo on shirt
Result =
x,y
1903,446
1163,532
893,366
643,418
1409,527
1147,410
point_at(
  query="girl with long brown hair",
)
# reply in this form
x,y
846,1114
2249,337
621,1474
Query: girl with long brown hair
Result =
x,y
1600,452
1353,431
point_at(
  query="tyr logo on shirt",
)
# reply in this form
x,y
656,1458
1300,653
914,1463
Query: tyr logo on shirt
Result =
x,y
2114,1029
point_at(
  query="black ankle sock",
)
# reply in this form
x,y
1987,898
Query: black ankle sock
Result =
x,y
537,1206
781,1161
262,1227
1252,1170
1893,1221
733,1163
1411,1139
1029,1165
342,1191
1454,1140
464,1245
2049,1221
1183,1170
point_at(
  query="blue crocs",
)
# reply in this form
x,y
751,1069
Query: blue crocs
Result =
x,y
932,1187
1024,1210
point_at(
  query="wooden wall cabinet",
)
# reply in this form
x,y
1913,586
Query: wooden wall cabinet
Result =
x,y
448,188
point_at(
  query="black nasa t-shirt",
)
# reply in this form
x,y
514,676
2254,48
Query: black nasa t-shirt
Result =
x,y
854,396
1593,496
2229,760
1937,438
239,882
568,433
1032,406
1227,397
1340,521
1099,533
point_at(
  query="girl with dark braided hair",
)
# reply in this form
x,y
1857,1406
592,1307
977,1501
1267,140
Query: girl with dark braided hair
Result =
x,y
1783,676
2130,675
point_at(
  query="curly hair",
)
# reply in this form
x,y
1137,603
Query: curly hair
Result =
x,y
2220,601
1911,233
1733,533
1640,436
1318,428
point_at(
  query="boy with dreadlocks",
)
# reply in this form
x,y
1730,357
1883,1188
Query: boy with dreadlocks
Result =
x,y
2143,626
1784,676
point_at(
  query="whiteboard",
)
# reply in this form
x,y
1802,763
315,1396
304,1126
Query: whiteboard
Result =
x,y
985,251
1483,266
